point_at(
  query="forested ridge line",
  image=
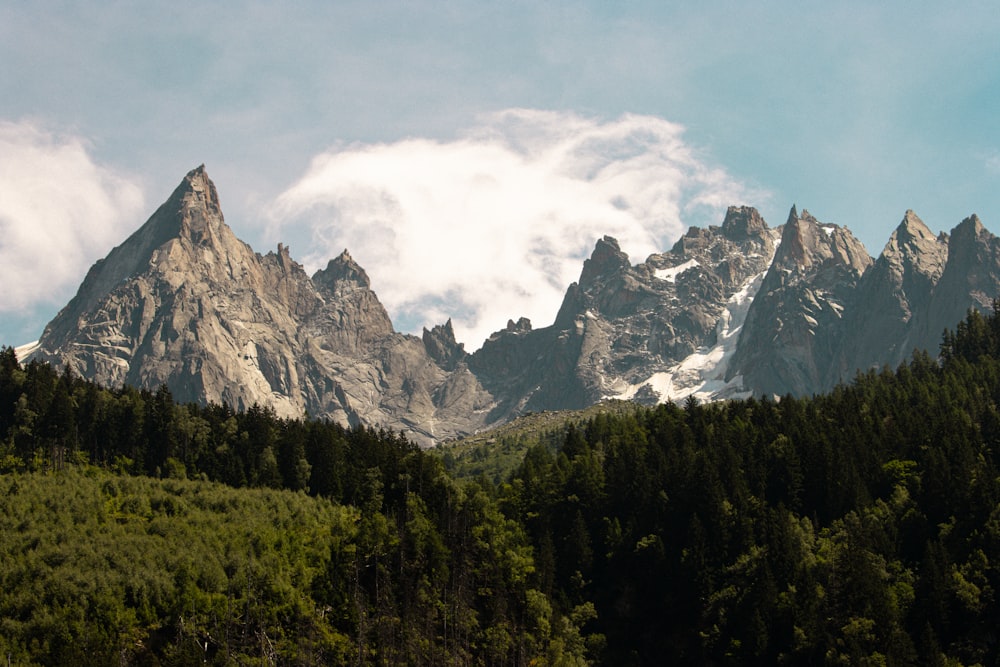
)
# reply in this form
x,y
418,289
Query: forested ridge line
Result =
x,y
857,527
139,531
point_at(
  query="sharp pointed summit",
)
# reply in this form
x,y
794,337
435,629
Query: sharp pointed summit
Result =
x,y
971,278
606,259
192,211
341,270
183,302
880,327
791,329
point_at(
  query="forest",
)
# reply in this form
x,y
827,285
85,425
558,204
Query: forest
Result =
x,y
860,527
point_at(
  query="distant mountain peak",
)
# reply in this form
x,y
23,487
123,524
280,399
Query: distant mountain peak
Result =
x,y
442,347
913,227
742,222
798,239
970,228
192,211
911,232
805,242
606,259
342,269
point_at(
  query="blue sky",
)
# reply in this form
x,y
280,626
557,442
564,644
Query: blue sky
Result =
x,y
469,154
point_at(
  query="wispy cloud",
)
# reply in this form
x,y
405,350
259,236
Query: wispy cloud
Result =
x,y
993,162
59,212
495,224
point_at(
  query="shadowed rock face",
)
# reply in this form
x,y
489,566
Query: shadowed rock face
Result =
x,y
971,279
621,324
882,325
183,302
793,326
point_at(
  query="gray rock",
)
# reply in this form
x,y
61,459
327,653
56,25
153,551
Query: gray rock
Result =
x,y
183,302
793,326
728,311
970,280
881,326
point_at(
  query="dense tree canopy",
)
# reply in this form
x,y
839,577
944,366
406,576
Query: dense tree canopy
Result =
x,y
126,540
857,527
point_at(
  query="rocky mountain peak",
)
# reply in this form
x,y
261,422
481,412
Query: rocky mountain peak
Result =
x,y
182,302
913,243
881,325
201,189
442,347
792,325
805,242
190,218
912,227
192,212
606,259
742,222
967,233
523,325
794,243
971,276
800,239
342,272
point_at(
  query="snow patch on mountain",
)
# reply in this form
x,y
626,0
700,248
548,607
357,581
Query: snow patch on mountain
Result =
x,y
702,374
670,274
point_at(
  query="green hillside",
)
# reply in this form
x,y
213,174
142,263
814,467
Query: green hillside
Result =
x,y
860,527
496,453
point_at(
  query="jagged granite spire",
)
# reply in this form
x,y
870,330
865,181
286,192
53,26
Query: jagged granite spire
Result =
x,y
742,222
341,270
792,327
183,302
606,259
879,327
971,279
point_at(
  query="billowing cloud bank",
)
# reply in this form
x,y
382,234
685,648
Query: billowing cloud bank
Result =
x,y
496,224
59,212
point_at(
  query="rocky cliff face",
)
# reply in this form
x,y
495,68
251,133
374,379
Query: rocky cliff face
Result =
x,y
622,330
729,311
183,302
891,302
793,326
970,279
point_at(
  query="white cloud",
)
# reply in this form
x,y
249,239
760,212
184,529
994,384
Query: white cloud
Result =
x,y
993,162
495,224
59,212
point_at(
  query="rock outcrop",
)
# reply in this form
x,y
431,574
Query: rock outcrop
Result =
x,y
971,279
622,329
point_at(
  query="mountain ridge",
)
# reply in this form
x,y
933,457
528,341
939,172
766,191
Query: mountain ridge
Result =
x,y
730,310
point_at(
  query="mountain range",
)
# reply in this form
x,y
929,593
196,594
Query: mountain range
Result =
x,y
733,310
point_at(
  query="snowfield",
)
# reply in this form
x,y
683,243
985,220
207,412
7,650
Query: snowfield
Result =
x,y
702,374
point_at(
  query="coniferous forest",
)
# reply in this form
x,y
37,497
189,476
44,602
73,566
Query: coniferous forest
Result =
x,y
857,527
